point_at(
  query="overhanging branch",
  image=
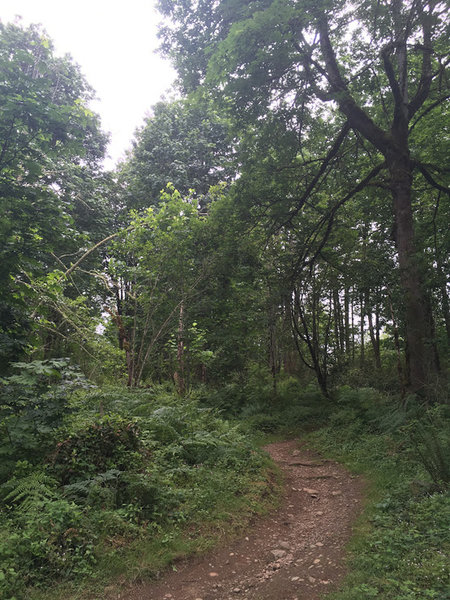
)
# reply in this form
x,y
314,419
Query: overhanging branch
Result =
x,y
428,177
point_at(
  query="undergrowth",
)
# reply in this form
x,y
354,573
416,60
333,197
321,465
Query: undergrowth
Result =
x,y
402,542
128,481
131,481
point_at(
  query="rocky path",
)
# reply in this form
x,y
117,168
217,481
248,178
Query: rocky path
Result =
x,y
298,553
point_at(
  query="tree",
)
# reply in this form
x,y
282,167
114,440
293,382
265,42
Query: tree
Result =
x,y
374,72
50,142
184,143
154,272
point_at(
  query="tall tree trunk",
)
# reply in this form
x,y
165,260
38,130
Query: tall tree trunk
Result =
x,y
422,365
124,344
347,321
178,376
337,326
377,326
374,337
401,376
288,358
353,326
273,347
441,275
361,327
302,331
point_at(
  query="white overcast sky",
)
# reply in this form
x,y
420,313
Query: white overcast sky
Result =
x,y
114,42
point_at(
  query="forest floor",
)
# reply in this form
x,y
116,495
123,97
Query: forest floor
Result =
x,y
297,553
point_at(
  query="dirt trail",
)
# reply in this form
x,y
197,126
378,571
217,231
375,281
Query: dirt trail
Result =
x,y
295,554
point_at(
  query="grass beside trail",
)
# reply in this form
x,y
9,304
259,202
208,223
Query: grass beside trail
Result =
x,y
401,543
123,562
136,480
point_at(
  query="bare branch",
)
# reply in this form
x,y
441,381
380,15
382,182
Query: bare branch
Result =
x,y
331,154
427,175
356,116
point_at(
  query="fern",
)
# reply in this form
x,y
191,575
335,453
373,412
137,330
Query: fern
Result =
x,y
31,492
430,440
83,491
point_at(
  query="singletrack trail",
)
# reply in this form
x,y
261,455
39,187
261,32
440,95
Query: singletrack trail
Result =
x,y
297,553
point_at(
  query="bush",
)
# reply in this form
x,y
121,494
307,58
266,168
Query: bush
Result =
x,y
109,442
429,439
51,539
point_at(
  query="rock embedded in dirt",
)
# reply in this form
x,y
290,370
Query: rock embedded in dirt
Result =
x,y
278,553
311,492
303,463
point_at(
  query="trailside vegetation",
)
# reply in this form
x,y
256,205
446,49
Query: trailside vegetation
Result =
x,y
269,259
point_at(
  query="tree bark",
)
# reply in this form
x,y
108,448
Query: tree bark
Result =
x,y
419,341
374,337
301,330
178,376
401,376
441,275
361,327
347,321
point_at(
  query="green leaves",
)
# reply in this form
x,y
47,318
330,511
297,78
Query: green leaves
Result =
x,y
50,150
184,143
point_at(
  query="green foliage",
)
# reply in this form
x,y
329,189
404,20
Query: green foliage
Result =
x,y
33,403
31,492
108,443
45,536
429,437
151,466
51,147
99,491
295,268
400,548
157,264
52,545
261,408
183,143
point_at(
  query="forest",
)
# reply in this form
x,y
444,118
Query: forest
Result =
x,y
269,262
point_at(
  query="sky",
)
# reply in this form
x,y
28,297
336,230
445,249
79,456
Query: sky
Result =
x,y
114,43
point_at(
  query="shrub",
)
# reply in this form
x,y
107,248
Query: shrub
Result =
x,y
45,538
33,405
403,543
154,463
109,442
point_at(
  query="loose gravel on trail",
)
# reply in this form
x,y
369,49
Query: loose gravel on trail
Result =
x,y
297,553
